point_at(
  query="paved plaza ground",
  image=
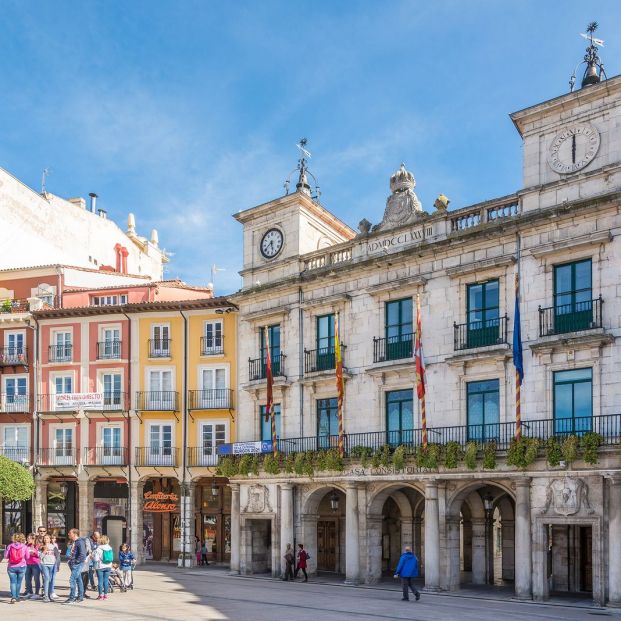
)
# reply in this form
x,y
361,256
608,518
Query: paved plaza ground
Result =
x,y
165,593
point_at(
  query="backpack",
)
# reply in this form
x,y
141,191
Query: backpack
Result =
x,y
16,555
107,557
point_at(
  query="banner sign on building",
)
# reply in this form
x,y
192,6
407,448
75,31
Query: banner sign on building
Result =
x,y
160,502
79,401
245,448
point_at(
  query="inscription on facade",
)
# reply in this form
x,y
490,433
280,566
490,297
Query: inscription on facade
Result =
x,y
359,471
402,239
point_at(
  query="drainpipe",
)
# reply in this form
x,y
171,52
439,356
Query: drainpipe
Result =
x,y
301,357
35,401
129,428
185,519
59,288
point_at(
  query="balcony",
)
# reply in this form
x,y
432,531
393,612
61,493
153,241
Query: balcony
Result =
x,y
393,348
14,404
157,400
13,356
159,348
60,353
480,333
14,306
210,346
59,456
21,455
324,359
109,350
92,402
105,456
213,399
202,456
257,369
157,456
575,317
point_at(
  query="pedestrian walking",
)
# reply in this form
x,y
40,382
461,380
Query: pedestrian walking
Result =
x,y
17,554
88,572
33,568
127,560
197,550
289,560
102,559
49,558
204,560
406,570
76,561
303,556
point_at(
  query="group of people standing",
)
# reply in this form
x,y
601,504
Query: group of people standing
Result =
x,y
35,556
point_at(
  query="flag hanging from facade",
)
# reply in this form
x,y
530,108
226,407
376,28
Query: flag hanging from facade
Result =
x,y
270,413
420,370
340,388
518,361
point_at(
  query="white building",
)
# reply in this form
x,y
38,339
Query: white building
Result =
x,y
302,266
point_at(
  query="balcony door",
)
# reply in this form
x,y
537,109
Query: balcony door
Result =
x,y
63,385
111,345
214,392
398,329
111,450
327,423
274,336
573,297
111,390
62,347
63,446
400,417
160,451
483,410
15,347
212,341
325,343
573,401
160,395
213,434
15,443
483,314
160,341
15,394
266,425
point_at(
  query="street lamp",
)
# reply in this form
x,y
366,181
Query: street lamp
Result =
x,y
334,502
488,504
63,488
214,488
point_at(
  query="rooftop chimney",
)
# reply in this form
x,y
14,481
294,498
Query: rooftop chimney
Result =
x,y
102,213
93,201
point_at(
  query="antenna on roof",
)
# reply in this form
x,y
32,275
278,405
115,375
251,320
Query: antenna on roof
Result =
x,y
46,172
214,271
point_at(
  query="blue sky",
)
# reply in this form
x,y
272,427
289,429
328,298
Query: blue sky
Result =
x,y
185,112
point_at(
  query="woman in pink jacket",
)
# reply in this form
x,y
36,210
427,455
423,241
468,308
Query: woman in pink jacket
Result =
x,y
17,554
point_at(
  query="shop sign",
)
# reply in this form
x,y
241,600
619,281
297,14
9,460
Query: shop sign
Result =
x,y
79,401
160,502
245,448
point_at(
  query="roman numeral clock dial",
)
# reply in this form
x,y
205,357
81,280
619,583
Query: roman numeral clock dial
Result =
x,y
271,243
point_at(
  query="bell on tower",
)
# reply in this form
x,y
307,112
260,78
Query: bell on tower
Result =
x,y
302,184
594,71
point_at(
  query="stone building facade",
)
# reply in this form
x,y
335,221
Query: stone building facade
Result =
x,y
548,527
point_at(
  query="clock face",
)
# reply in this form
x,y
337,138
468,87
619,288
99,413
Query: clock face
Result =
x,y
573,148
271,243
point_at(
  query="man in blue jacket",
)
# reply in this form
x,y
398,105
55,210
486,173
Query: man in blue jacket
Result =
x,y
406,570
75,562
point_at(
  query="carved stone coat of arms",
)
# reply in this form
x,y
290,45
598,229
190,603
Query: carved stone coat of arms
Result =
x,y
567,496
258,499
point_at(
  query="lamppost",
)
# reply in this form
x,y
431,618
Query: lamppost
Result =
x,y
488,504
334,502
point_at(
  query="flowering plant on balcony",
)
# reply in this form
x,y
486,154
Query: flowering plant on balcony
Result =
x,y
6,306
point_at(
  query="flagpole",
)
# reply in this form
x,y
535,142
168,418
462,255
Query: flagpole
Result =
x,y
339,384
517,348
420,372
269,406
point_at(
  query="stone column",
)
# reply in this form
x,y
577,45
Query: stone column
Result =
x,y
432,536
352,550
614,538
523,554
478,551
187,524
136,519
286,521
374,549
86,501
39,509
452,529
235,528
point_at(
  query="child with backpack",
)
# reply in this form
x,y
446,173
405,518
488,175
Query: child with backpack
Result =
x,y
16,553
127,561
103,557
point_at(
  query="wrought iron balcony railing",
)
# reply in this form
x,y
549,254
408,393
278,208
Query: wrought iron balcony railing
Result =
x,y
202,456
13,356
109,350
22,455
159,348
480,333
105,456
257,368
58,456
211,346
323,359
17,404
157,456
213,399
575,317
393,348
60,353
157,400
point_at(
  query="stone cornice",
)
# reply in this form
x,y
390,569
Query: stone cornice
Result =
x,y
480,266
591,239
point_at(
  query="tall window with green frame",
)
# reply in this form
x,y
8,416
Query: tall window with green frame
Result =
x,y
400,417
573,296
483,314
573,401
327,422
266,425
274,336
483,403
398,329
325,342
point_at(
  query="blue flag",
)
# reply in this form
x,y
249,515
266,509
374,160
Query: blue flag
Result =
x,y
518,361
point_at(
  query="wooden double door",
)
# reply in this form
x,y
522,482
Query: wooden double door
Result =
x,y
327,545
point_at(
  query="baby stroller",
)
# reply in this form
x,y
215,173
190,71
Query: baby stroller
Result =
x,y
115,580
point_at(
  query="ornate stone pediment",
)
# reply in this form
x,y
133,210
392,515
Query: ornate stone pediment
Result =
x,y
567,496
258,500
402,206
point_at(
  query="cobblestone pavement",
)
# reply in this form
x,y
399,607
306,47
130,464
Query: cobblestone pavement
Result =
x,y
165,593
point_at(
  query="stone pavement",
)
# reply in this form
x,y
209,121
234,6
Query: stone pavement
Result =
x,y
164,592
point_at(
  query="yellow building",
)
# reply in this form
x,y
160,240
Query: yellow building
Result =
x,y
184,384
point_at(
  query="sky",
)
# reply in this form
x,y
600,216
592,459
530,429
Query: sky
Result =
x,y
186,112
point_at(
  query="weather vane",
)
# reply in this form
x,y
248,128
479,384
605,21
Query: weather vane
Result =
x,y
594,66
302,185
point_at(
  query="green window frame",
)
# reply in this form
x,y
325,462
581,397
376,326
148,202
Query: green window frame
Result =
x,y
483,313
327,422
266,426
483,410
324,341
573,401
400,417
274,334
573,296
398,328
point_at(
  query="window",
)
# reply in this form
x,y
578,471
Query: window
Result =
x,y
110,347
60,350
400,416
483,314
573,296
212,436
111,445
112,389
327,422
212,339
63,384
15,394
160,445
398,329
63,445
266,426
573,401
324,344
15,443
109,300
483,410
214,391
161,395
160,341
15,347
274,336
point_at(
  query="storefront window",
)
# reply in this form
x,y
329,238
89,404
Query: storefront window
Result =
x,y
57,510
